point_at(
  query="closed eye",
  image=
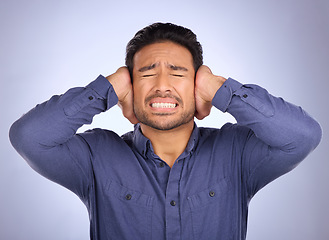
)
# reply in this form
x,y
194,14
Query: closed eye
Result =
x,y
148,75
177,75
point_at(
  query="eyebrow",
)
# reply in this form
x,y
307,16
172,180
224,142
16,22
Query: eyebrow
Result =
x,y
177,68
146,68
154,65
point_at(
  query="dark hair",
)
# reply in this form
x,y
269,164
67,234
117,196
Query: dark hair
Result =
x,y
161,32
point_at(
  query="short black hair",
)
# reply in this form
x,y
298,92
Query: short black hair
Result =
x,y
162,32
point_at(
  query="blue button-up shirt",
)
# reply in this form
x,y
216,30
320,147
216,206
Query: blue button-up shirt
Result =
x,y
131,193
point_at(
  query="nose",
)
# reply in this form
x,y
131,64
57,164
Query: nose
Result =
x,y
163,83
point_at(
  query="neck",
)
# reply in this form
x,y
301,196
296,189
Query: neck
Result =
x,y
169,144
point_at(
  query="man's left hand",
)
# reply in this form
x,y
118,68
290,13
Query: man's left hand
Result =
x,y
206,86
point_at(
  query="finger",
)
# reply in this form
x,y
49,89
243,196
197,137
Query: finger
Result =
x,y
128,112
198,116
202,115
133,119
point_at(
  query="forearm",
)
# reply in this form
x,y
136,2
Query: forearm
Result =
x,y
56,120
45,136
276,122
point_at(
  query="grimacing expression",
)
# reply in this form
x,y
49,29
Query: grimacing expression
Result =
x,y
163,85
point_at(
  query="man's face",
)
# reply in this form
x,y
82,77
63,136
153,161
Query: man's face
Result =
x,y
163,85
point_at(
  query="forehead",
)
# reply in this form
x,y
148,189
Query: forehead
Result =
x,y
167,52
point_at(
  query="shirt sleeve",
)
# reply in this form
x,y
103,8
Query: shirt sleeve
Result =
x,y
281,134
46,136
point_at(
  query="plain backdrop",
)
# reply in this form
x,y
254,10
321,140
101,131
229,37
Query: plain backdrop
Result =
x,y
47,47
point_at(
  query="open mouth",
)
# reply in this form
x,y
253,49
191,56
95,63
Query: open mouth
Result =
x,y
163,105
166,104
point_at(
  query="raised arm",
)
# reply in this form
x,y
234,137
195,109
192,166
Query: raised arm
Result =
x,y
46,135
281,134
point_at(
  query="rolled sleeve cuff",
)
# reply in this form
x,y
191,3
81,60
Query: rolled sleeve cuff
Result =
x,y
224,94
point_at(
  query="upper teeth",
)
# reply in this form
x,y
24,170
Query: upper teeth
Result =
x,y
163,105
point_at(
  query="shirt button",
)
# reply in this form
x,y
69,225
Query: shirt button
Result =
x,y
245,95
162,164
211,193
90,97
128,196
173,203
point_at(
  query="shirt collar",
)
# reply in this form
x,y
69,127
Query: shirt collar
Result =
x,y
140,142
143,144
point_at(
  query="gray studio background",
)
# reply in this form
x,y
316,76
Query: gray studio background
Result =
x,y
47,47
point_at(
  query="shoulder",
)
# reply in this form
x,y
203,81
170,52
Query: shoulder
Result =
x,y
101,136
128,138
228,128
101,141
229,132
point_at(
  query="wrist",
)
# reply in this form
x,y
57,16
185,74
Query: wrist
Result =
x,y
216,84
120,81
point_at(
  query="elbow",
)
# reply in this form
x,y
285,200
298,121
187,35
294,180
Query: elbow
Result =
x,y
311,137
303,141
317,134
303,138
16,135
20,137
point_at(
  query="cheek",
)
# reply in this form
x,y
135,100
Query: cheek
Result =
x,y
188,97
188,90
139,94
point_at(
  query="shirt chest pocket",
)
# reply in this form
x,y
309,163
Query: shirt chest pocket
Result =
x,y
128,212
212,212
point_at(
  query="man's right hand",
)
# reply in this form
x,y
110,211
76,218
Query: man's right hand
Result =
x,y
121,83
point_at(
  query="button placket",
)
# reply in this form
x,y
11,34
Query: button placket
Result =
x,y
172,205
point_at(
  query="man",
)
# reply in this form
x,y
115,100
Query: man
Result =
x,y
168,179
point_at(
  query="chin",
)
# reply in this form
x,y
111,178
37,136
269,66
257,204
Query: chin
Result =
x,y
167,125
